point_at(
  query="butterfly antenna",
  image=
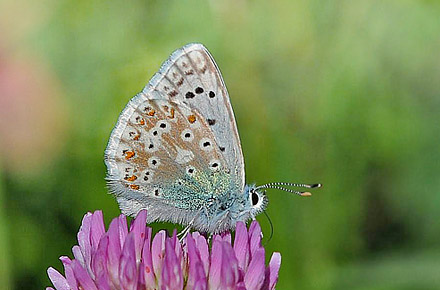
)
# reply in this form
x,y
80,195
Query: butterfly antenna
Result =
x,y
271,227
316,185
301,193
278,185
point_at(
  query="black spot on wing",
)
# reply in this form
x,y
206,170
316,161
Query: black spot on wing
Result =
x,y
189,95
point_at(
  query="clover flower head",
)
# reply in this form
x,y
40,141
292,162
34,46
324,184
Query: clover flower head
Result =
x,y
134,259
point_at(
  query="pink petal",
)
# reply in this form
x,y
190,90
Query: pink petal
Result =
x,y
97,229
103,283
196,271
226,237
123,230
141,277
254,237
57,279
271,275
114,250
139,227
82,277
254,277
147,265
201,284
202,247
241,245
158,253
171,272
100,262
76,250
214,279
229,267
179,253
127,267
68,271
84,242
173,241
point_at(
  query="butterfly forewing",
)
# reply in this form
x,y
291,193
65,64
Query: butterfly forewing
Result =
x,y
191,76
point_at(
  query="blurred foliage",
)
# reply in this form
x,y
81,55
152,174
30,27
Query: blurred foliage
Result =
x,y
340,92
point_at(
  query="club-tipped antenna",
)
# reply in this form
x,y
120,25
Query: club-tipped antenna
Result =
x,y
301,193
316,185
278,185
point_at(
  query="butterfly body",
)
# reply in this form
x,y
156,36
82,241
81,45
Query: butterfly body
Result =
x,y
175,149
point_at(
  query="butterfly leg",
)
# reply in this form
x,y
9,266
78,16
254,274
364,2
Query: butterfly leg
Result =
x,y
187,229
184,233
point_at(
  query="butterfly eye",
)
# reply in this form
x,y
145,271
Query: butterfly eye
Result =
x,y
255,198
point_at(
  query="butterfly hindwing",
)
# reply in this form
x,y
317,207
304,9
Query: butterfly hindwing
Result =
x,y
163,152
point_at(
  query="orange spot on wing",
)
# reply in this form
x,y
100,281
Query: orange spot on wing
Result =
x,y
130,178
129,154
171,116
134,186
136,137
151,113
142,122
191,118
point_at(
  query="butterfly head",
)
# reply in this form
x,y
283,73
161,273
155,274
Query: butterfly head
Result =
x,y
256,200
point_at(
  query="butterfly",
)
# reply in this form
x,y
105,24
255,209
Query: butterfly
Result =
x,y
176,152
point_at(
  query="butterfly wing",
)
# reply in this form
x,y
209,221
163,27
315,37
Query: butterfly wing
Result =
x,y
175,145
192,77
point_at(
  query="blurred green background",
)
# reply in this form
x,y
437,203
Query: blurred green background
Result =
x,y
346,93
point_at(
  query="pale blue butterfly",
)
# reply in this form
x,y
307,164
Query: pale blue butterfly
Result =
x,y
175,150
